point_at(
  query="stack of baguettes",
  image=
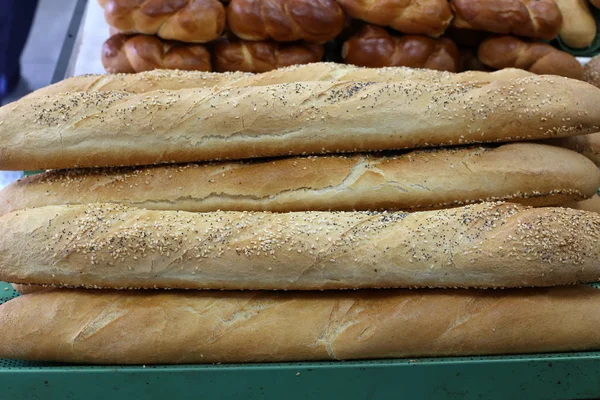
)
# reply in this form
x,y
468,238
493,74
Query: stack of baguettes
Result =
x,y
103,220
261,35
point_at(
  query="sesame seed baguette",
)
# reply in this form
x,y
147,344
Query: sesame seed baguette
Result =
x,y
158,327
527,173
588,145
119,129
26,289
149,81
484,245
592,204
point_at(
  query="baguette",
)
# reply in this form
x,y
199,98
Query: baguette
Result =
x,y
106,327
484,245
175,80
528,173
587,145
120,129
26,289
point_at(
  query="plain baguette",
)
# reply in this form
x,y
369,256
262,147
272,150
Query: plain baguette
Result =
x,y
527,173
484,245
174,80
119,129
588,145
106,327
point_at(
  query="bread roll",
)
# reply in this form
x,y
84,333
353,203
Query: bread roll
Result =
x,y
119,129
540,19
579,26
373,46
175,80
591,71
192,21
285,20
126,54
588,145
527,173
592,204
106,327
419,17
114,246
246,56
540,58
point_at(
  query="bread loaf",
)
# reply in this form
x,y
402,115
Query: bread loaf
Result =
x,y
285,20
126,54
592,204
192,21
373,46
118,129
527,173
588,145
246,56
484,245
539,19
175,80
540,58
426,17
591,71
579,26
107,327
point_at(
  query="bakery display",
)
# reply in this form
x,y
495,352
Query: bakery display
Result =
x,y
115,128
122,53
526,173
374,47
413,204
539,58
103,327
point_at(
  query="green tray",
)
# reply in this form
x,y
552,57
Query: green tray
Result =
x,y
543,376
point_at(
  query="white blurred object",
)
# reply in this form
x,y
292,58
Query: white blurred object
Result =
x,y
8,177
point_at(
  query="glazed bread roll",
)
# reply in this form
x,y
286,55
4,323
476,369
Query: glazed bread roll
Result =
x,y
579,26
428,17
527,173
591,71
487,245
126,54
246,56
592,204
141,327
588,145
175,80
373,46
285,20
192,21
539,58
539,19
119,129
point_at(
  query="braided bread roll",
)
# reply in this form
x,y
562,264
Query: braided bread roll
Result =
x,y
286,20
426,17
539,58
127,54
246,56
532,18
373,46
193,21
